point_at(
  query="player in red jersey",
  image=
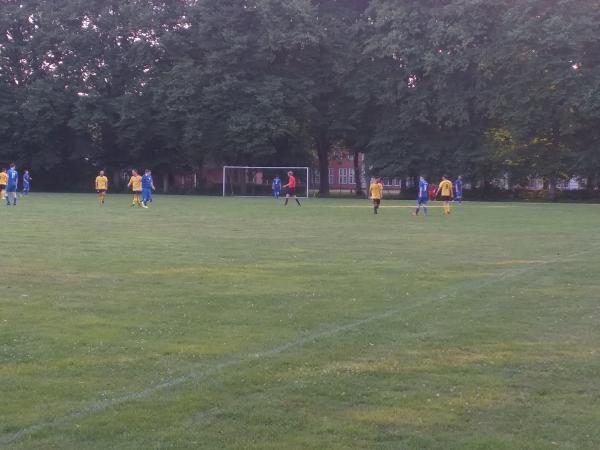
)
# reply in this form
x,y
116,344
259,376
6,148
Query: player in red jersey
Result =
x,y
432,191
291,188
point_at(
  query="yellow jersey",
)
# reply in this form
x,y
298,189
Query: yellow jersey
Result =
x,y
101,183
376,190
445,188
136,183
3,178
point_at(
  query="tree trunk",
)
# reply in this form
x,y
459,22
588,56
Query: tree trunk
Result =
x,y
591,182
243,177
358,174
323,147
483,187
510,186
552,188
116,181
402,184
414,180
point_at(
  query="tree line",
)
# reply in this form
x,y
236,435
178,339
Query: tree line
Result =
x,y
509,88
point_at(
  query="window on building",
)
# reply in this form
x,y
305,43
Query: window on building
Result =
x,y
343,176
350,176
396,181
331,177
316,177
387,182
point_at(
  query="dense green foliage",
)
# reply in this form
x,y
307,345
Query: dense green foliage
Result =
x,y
238,324
504,88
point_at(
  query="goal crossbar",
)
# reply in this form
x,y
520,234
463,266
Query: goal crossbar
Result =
x,y
286,168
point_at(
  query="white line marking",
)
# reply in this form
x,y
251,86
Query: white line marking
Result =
x,y
95,407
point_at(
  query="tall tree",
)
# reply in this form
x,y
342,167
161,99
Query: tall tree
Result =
x,y
432,116
542,83
234,82
328,112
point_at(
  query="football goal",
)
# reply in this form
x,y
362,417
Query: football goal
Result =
x,y
246,181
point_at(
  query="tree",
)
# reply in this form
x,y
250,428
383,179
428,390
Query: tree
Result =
x,y
235,75
542,84
432,115
328,110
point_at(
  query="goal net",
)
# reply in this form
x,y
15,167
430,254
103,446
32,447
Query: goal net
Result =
x,y
246,181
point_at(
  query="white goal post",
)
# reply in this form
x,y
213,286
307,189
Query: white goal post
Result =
x,y
255,181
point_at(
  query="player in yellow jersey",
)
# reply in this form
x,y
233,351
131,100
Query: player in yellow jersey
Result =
x,y
376,194
3,182
101,186
135,183
445,187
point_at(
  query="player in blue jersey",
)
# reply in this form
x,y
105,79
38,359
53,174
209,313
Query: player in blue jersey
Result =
x,y
26,182
276,187
423,197
458,189
147,188
11,185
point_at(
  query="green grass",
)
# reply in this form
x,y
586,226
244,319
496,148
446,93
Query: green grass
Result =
x,y
205,323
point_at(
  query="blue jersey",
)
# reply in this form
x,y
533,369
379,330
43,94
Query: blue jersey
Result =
x,y
458,184
26,178
147,182
13,177
423,186
277,184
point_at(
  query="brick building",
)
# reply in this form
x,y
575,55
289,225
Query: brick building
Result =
x,y
342,176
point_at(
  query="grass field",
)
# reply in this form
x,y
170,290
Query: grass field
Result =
x,y
205,323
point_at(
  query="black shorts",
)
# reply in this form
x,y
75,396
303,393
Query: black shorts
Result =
x,y
101,191
137,192
291,192
446,198
377,201
2,187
